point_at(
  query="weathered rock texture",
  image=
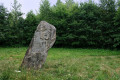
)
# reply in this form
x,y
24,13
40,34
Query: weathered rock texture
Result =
x,y
43,40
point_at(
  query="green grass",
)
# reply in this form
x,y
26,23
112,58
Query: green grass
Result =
x,y
63,64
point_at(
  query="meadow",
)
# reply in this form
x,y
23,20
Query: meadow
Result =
x,y
63,64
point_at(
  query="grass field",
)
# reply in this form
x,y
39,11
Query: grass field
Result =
x,y
63,64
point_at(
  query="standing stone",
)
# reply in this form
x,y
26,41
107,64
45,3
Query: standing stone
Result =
x,y
43,40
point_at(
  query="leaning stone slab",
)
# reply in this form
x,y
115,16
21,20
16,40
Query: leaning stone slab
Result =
x,y
43,39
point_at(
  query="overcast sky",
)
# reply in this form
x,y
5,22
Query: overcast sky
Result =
x,y
28,5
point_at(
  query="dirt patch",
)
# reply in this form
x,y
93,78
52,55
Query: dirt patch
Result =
x,y
118,70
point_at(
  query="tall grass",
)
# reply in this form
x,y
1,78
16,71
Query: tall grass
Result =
x,y
63,64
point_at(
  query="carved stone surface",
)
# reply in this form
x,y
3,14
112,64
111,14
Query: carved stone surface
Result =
x,y
43,40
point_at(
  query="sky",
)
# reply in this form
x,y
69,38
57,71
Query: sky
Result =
x,y
28,5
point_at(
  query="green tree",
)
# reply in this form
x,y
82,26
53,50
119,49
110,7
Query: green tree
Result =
x,y
58,19
58,2
116,34
44,10
29,27
16,13
21,33
3,24
69,3
85,25
107,17
14,18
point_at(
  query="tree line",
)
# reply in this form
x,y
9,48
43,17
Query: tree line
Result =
x,y
83,25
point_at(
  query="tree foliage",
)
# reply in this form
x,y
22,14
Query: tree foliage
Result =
x,y
3,23
82,25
